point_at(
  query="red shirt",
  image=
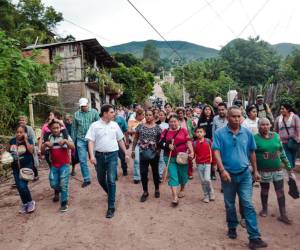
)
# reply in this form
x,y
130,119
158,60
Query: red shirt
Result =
x,y
180,141
203,152
59,155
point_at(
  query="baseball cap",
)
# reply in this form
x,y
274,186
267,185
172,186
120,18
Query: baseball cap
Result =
x,y
83,102
259,97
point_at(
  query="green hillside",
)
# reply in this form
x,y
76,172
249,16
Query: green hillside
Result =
x,y
187,50
285,49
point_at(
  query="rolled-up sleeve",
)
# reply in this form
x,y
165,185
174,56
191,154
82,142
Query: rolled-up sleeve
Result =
x,y
91,135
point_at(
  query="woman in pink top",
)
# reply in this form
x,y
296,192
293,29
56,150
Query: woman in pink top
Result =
x,y
175,140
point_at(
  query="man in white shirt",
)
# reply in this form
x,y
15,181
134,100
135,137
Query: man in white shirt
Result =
x,y
105,137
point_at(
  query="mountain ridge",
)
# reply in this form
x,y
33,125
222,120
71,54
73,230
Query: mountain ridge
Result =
x,y
189,51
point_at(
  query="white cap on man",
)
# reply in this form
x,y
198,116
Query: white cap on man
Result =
x,y
83,102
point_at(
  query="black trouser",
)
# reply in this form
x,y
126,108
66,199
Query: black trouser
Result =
x,y
123,161
35,171
144,167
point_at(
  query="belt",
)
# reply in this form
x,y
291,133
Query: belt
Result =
x,y
239,173
105,153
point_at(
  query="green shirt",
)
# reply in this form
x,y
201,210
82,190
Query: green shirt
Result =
x,y
82,122
269,153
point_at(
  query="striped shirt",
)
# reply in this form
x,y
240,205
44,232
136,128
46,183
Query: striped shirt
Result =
x,y
82,122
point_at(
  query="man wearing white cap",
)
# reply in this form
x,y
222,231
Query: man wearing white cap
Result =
x,y
83,118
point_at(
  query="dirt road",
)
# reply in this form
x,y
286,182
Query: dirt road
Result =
x,y
150,225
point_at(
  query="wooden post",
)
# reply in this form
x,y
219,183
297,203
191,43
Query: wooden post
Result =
x,y
31,111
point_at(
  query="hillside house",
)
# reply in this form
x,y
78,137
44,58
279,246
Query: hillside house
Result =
x,y
74,58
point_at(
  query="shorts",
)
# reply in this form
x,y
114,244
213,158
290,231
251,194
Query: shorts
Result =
x,y
267,177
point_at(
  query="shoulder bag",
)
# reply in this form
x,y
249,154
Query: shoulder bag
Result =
x,y
292,143
26,174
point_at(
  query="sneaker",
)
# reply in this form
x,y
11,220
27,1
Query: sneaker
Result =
x,y
85,184
213,177
73,173
205,200
257,243
23,209
30,206
110,213
243,223
191,177
232,233
212,197
64,207
136,181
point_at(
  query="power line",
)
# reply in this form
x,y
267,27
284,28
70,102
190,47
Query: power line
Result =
x,y
188,18
220,17
247,16
91,32
174,50
203,27
254,17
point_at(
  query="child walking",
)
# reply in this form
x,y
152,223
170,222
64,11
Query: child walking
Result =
x,y
60,162
204,158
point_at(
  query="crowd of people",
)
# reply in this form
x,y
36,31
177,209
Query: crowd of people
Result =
x,y
243,146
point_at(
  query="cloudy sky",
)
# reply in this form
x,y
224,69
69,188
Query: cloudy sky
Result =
x,y
210,23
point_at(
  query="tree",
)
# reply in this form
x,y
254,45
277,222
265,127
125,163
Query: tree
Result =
x,y
205,80
127,59
19,76
137,84
173,92
28,20
151,58
251,62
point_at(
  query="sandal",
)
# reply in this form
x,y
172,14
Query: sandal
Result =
x,y
175,203
181,194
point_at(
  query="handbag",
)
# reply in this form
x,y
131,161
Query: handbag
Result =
x,y
292,143
182,158
148,153
293,189
26,174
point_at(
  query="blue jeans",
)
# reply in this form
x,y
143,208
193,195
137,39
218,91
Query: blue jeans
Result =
x,y
106,168
241,185
82,149
22,187
290,154
59,180
136,164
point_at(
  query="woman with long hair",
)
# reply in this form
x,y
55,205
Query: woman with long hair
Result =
x,y
147,136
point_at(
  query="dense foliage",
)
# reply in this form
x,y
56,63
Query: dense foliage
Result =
x,y
137,84
19,76
28,20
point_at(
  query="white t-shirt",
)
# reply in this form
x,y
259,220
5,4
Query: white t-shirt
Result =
x,y
251,125
105,136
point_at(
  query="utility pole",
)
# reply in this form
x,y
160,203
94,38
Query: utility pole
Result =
x,y
183,88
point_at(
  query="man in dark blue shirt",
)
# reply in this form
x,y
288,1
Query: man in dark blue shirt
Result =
x,y
234,146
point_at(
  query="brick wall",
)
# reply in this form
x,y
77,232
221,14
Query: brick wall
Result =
x,y
70,93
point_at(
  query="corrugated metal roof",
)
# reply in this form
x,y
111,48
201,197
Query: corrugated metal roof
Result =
x,y
92,45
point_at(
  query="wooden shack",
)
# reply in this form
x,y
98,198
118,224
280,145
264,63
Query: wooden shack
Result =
x,y
74,58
